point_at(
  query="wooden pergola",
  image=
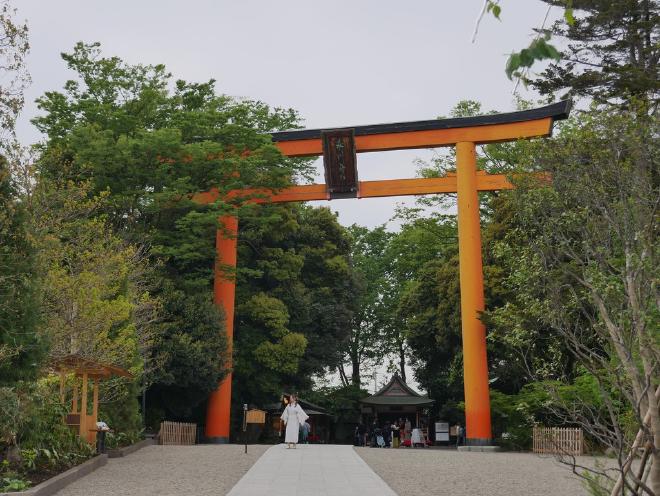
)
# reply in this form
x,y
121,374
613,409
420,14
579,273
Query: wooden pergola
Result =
x,y
88,370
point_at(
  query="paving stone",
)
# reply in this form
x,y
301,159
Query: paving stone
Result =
x,y
311,470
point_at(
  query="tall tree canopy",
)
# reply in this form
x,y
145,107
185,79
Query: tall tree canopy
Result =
x,y
295,300
22,346
582,263
611,51
147,149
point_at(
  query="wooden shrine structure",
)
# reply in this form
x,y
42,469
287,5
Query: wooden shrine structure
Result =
x,y
393,401
339,148
79,418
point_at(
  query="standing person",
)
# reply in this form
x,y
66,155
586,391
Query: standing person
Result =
x,y
293,417
362,433
460,435
408,430
395,435
304,429
387,434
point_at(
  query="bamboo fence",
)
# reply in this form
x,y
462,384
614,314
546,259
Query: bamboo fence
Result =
x,y
558,441
177,433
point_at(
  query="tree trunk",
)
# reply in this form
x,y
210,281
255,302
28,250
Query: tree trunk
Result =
x,y
342,374
654,474
355,374
402,362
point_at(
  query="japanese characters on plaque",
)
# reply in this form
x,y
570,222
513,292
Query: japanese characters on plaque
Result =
x,y
340,163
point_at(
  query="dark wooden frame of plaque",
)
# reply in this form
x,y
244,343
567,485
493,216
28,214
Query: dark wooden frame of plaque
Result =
x,y
340,163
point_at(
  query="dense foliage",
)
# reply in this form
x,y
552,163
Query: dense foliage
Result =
x,y
294,300
22,346
609,52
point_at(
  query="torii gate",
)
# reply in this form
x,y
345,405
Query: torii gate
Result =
x,y
339,148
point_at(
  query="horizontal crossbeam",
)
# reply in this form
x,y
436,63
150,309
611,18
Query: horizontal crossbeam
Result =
x,y
481,129
367,189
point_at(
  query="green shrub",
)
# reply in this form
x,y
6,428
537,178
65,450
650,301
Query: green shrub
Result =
x,y
10,416
8,484
31,416
120,439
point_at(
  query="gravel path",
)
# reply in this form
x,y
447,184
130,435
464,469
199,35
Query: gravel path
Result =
x,y
169,471
425,472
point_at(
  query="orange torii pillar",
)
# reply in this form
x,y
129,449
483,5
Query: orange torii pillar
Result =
x,y
475,363
224,294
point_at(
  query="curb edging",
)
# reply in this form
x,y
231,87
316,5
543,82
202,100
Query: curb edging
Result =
x,y
60,481
121,452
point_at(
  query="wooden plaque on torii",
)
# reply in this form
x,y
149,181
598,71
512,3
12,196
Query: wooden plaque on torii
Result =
x,y
340,163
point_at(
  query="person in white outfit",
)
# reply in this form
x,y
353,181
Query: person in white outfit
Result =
x,y
293,417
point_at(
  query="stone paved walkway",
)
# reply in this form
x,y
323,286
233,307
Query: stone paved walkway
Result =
x,y
325,470
311,470
203,470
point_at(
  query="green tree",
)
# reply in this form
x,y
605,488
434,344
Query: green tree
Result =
x,y
94,294
582,261
14,47
294,300
188,355
373,316
22,345
611,52
148,148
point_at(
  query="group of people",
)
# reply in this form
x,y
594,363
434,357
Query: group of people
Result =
x,y
389,434
394,434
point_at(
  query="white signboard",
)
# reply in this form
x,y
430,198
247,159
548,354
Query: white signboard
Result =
x,y
442,436
442,427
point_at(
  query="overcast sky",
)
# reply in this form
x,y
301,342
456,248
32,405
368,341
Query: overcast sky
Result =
x,y
338,63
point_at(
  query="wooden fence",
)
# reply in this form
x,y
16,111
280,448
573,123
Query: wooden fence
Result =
x,y
558,441
177,433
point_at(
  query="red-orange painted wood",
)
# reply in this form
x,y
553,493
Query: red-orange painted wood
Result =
x,y
492,133
426,186
367,189
224,294
475,364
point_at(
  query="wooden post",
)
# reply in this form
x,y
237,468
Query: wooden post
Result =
x,y
95,401
224,288
74,401
83,408
245,425
475,364
62,377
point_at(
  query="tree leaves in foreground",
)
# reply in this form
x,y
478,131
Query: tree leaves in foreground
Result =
x,y
14,46
583,262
